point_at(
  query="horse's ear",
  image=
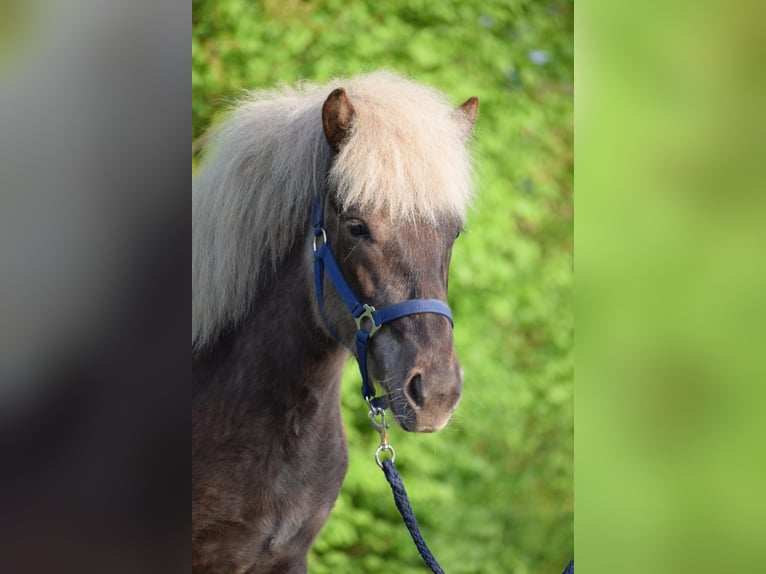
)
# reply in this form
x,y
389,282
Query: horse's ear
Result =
x,y
337,113
467,111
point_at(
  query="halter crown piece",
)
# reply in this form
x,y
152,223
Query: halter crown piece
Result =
x,y
368,318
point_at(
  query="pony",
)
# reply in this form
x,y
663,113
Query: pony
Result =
x,y
384,162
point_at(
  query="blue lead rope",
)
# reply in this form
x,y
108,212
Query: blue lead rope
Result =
x,y
403,504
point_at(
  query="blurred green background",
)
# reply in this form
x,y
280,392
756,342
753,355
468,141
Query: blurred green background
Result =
x,y
671,439
494,490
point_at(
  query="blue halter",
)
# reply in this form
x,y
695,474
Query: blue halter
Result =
x,y
368,319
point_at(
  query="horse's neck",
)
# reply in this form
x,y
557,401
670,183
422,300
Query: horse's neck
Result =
x,y
278,356
268,448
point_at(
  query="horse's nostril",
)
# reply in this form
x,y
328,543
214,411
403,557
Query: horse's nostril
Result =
x,y
414,390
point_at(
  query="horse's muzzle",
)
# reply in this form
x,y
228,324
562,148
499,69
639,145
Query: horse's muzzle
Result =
x,y
430,398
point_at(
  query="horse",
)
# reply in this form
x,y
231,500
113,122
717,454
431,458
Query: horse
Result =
x,y
377,170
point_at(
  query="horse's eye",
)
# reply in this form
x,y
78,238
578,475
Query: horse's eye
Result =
x,y
358,229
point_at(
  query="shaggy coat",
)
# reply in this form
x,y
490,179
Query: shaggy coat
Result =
x,y
268,449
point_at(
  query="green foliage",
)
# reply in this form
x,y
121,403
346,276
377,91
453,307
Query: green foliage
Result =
x,y
492,491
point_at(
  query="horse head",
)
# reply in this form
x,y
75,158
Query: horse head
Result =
x,y
386,260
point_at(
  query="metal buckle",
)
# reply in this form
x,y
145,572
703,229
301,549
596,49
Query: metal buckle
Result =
x,y
324,238
367,315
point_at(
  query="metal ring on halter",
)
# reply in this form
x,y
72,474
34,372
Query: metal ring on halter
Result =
x,y
324,238
374,409
383,447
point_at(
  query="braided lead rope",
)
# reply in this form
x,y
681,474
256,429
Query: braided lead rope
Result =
x,y
400,493
403,504
397,486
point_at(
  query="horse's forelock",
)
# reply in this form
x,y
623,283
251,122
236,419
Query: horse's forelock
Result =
x,y
406,153
405,156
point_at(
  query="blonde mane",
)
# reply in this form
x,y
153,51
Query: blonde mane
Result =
x,y
251,200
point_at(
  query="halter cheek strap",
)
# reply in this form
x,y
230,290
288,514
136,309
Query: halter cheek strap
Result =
x,y
368,319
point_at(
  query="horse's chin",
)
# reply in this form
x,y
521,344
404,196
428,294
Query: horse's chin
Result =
x,y
412,421
406,424
418,427
404,416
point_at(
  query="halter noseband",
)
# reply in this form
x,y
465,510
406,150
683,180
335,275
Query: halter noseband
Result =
x,y
368,319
